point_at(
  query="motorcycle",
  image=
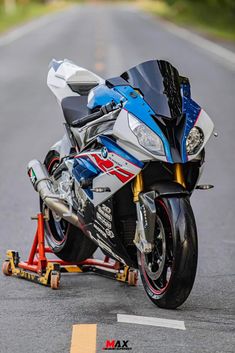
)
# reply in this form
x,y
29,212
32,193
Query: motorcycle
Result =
x,y
122,176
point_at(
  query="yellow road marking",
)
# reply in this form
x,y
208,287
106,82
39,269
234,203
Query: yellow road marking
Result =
x,y
84,338
99,66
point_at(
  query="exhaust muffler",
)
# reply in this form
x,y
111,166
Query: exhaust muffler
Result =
x,y
42,183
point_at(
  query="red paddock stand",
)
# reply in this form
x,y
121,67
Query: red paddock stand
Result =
x,y
47,272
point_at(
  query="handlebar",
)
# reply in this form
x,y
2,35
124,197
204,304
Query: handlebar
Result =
x,y
105,109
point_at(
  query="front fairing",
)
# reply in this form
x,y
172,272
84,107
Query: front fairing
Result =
x,y
159,84
160,98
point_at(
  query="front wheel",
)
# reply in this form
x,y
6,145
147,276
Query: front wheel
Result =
x,y
168,272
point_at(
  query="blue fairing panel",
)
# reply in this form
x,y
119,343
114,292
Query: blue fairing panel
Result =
x,y
55,64
137,106
186,91
84,169
102,96
192,110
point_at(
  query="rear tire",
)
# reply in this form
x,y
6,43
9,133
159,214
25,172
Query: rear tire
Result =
x,y
168,273
65,240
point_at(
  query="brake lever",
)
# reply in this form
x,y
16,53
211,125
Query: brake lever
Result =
x,y
105,109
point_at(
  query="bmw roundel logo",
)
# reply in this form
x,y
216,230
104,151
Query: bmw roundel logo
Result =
x,y
104,152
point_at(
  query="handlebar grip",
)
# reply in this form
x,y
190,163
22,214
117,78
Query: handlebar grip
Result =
x,y
105,109
86,119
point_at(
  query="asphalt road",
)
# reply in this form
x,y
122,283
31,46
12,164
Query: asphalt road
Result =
x,y
108,40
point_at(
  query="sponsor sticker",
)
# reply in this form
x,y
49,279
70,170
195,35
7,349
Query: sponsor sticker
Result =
x,y
32,176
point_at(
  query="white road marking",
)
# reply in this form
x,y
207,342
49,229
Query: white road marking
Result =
x,y
151,321
225,56
24,29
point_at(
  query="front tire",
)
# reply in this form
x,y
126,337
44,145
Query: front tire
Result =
x,y
65,240
168,272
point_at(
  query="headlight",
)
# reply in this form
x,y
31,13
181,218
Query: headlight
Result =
x,y
194,140
146,137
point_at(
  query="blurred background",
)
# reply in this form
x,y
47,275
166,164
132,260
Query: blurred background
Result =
x,y
214,17
108,37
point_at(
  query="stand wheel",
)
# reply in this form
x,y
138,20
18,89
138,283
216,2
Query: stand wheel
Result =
x,y
132,278
6,268
55,280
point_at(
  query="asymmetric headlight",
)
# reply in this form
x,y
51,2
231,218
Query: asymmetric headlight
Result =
x,y
146,137
194,140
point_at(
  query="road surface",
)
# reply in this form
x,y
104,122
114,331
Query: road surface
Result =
x,y
108,40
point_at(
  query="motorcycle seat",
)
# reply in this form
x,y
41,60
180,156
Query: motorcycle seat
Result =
x,y
74,108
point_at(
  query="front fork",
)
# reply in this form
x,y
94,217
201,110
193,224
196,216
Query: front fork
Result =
x,y
179,174
146,210
138,186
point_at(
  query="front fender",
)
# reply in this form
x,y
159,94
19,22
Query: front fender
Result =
x,y
169,188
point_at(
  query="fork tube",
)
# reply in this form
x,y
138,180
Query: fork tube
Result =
x,y
179,175
138,186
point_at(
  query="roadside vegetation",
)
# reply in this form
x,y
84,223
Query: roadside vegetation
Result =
x,y
13,12
216,18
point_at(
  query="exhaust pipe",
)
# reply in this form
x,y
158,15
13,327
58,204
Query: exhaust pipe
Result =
x,y
42,183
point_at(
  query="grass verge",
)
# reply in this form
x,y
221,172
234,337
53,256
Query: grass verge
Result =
x,y
214,21
24,13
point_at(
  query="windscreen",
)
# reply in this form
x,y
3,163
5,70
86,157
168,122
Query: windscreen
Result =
x,y
159,83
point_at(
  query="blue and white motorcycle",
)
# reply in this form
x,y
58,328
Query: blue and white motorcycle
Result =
x,y
122,175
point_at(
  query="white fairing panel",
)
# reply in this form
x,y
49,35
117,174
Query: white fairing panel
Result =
x,y
115,173
128,141
205,123
62,147
64,72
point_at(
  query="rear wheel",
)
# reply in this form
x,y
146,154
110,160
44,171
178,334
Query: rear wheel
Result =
x,y
66,241
168,272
